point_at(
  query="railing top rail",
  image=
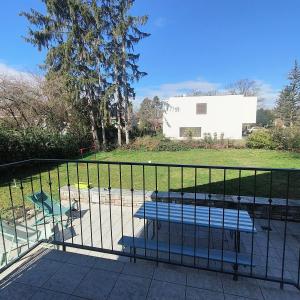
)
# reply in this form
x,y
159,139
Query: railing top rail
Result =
x,y
149,164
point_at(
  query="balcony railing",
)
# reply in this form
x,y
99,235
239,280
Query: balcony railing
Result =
x,y
242,221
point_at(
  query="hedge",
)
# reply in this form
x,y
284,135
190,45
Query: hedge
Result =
x,y
16,145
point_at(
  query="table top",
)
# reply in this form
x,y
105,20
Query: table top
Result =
x,y
230,219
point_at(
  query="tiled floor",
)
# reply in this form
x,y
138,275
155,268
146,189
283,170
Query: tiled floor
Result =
x,y
67,276
52,274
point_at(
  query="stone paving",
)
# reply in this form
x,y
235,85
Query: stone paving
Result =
x,y
53,274
68,275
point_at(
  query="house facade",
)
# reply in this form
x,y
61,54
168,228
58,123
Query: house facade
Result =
x,y
195,116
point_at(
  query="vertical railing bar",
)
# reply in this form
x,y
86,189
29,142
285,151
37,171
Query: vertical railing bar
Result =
x,y
209,212
121,200
90,207
132,218
51,196
34,208
195,215
3,239
223,218
79,203
298,280
99,206
182,240
14,217
285,228
156,191
43,210
70,204
169,212
109,198
24,211
62,224
269,224
253,223
144,200
237,233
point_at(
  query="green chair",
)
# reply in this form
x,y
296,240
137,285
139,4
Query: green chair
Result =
x,y
51,208
16,236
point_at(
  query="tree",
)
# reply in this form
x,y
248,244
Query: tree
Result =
x,y
265,117
124,35
150,114
91,42
287,105
244,87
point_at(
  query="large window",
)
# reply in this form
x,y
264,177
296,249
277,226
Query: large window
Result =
x,y
201,108
190,131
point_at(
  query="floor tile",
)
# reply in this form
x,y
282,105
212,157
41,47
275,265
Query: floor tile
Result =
x,y
204,280
139,269
130,287
108,264
44,294
17,291
162,290
278,294
244,287
38,273
67,278
169,275
97,284
81,260
201,294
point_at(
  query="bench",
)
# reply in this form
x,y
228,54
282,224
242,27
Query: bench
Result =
x,y
212,254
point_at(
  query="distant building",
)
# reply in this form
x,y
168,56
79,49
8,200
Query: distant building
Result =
x,y
195,116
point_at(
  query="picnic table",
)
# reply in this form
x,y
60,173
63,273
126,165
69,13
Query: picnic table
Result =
x,y
236,221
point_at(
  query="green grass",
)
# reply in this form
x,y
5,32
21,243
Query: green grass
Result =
x,y
179,180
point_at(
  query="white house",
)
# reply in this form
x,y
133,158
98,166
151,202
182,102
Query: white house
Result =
x,y
197,115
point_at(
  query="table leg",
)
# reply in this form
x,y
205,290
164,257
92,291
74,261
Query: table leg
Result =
x,y
237,240
153,229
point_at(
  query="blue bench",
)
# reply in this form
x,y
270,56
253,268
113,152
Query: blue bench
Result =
x,y
213,254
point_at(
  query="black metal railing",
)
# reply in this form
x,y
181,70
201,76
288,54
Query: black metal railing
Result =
x,y
242,221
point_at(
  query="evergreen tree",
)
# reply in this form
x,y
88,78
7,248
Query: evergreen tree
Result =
x,y
287,105
124,35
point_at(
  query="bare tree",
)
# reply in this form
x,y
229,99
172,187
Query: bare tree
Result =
x,y
244,87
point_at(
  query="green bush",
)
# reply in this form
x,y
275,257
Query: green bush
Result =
x,y
18,145
287,138
160,143
261,139
275,138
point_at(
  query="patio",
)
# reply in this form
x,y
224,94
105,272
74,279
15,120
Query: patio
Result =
x,y
50,274
248,245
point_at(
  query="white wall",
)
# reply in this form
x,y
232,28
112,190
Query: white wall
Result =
x,y
225,114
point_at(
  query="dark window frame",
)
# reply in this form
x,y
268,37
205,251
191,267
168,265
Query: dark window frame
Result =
x,y
182,131
201,108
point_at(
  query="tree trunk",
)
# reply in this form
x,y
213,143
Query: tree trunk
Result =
x,y
126,128
93,123
103,134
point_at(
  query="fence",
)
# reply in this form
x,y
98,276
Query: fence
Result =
x,y
236,220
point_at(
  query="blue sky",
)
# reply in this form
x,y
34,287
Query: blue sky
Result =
x,y
194,44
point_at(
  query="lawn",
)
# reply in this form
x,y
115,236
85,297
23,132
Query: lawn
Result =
x,y
150,178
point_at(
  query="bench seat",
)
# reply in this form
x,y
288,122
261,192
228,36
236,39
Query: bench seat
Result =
x,y
213,254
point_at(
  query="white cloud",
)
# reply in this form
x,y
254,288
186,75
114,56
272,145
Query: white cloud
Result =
x,y
12,72
268,94
178,88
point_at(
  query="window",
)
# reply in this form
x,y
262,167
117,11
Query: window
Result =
x,y
190,131
201,108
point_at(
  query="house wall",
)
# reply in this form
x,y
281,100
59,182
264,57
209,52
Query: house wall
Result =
x,y
225,114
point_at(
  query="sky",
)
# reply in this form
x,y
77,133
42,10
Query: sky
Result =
x,y
194,44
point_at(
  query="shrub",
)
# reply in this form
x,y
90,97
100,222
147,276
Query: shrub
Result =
x,y
160,143
261,139
39,143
